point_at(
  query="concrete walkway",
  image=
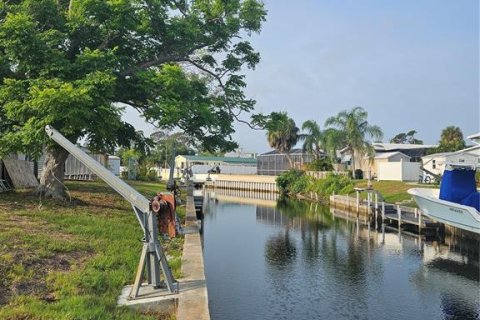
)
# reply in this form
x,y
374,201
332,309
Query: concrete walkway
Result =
x,y
193,300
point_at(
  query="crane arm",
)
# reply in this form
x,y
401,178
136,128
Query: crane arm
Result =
x,y
126,191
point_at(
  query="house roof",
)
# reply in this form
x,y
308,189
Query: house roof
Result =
x,y
400,146
471,148
446,154
236,160
293,151
475,138
387,155
437,155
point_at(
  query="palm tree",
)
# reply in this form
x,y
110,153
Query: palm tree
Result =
x,y
334,140
451,140
282,133
313,139
356,129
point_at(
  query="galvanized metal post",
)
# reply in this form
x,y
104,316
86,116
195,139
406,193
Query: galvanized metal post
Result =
x,y
399,212
153,269
383,211
419,220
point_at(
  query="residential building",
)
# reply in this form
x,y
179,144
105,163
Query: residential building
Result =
x,y
274,163
202,164
435,163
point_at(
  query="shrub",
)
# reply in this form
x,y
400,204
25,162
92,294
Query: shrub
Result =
x,y
301,184
286,180
339,184
320,165
295,181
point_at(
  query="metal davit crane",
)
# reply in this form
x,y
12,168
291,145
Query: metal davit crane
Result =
x,y
153,257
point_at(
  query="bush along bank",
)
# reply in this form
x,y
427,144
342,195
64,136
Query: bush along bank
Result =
x,y
296,183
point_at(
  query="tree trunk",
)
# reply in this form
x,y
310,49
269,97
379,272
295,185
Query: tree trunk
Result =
x,y
51,181
353,163
289,158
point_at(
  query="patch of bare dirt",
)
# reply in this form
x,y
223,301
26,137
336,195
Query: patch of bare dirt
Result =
x,y
39,268
18,252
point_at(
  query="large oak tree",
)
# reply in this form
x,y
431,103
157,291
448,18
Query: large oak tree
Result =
x,y
74,64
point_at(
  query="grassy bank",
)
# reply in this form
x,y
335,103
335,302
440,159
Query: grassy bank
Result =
x,y
70,260
394,191
295,183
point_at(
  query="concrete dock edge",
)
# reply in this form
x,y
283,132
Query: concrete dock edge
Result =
x,y
193,298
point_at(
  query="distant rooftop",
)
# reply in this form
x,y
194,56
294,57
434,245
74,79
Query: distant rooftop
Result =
x,y
293,151
386,155
401,146
237,160
475,138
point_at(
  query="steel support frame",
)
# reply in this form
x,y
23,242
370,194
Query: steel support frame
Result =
x,y
153,257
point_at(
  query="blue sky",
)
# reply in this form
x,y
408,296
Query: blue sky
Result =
x,y
412,64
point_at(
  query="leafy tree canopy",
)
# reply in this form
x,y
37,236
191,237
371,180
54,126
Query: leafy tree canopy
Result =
x,y
355,131
75,64
407,137
164,145
282,132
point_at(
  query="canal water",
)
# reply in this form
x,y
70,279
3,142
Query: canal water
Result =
x,y
300,261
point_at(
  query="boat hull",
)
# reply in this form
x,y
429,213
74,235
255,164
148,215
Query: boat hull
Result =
x,y
450,213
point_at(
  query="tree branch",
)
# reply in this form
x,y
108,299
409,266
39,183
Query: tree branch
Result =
x,y
222,85
180,8
155,62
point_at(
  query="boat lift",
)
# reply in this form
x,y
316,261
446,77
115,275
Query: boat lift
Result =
x,y
153,257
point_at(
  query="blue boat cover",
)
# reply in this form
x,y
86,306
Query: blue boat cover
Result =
x,y
459,186
473,200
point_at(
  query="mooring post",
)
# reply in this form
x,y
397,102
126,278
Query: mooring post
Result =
x,y
368,202
419,220
383,211
399,212
358,200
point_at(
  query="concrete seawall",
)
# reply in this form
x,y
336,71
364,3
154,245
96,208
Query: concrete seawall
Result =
x,y
193,300
245,182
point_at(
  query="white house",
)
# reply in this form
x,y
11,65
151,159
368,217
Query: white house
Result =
x,y
435,163
395,166
392,161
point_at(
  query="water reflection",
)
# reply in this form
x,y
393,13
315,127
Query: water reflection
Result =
x,y
280,250
300,261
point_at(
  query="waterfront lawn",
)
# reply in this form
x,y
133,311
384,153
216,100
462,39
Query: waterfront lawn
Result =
x,y
70,260
394,191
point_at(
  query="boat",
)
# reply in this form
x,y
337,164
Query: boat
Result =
x,y
457,202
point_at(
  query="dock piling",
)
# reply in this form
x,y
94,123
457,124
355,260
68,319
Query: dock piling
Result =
x,y
399,212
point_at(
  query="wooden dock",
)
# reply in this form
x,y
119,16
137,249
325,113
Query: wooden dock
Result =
x,y
372,210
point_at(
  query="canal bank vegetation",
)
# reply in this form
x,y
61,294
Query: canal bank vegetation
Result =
x,y
65,260
298,183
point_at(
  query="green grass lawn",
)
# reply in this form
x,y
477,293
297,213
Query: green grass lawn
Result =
x,y
70,260
394,191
